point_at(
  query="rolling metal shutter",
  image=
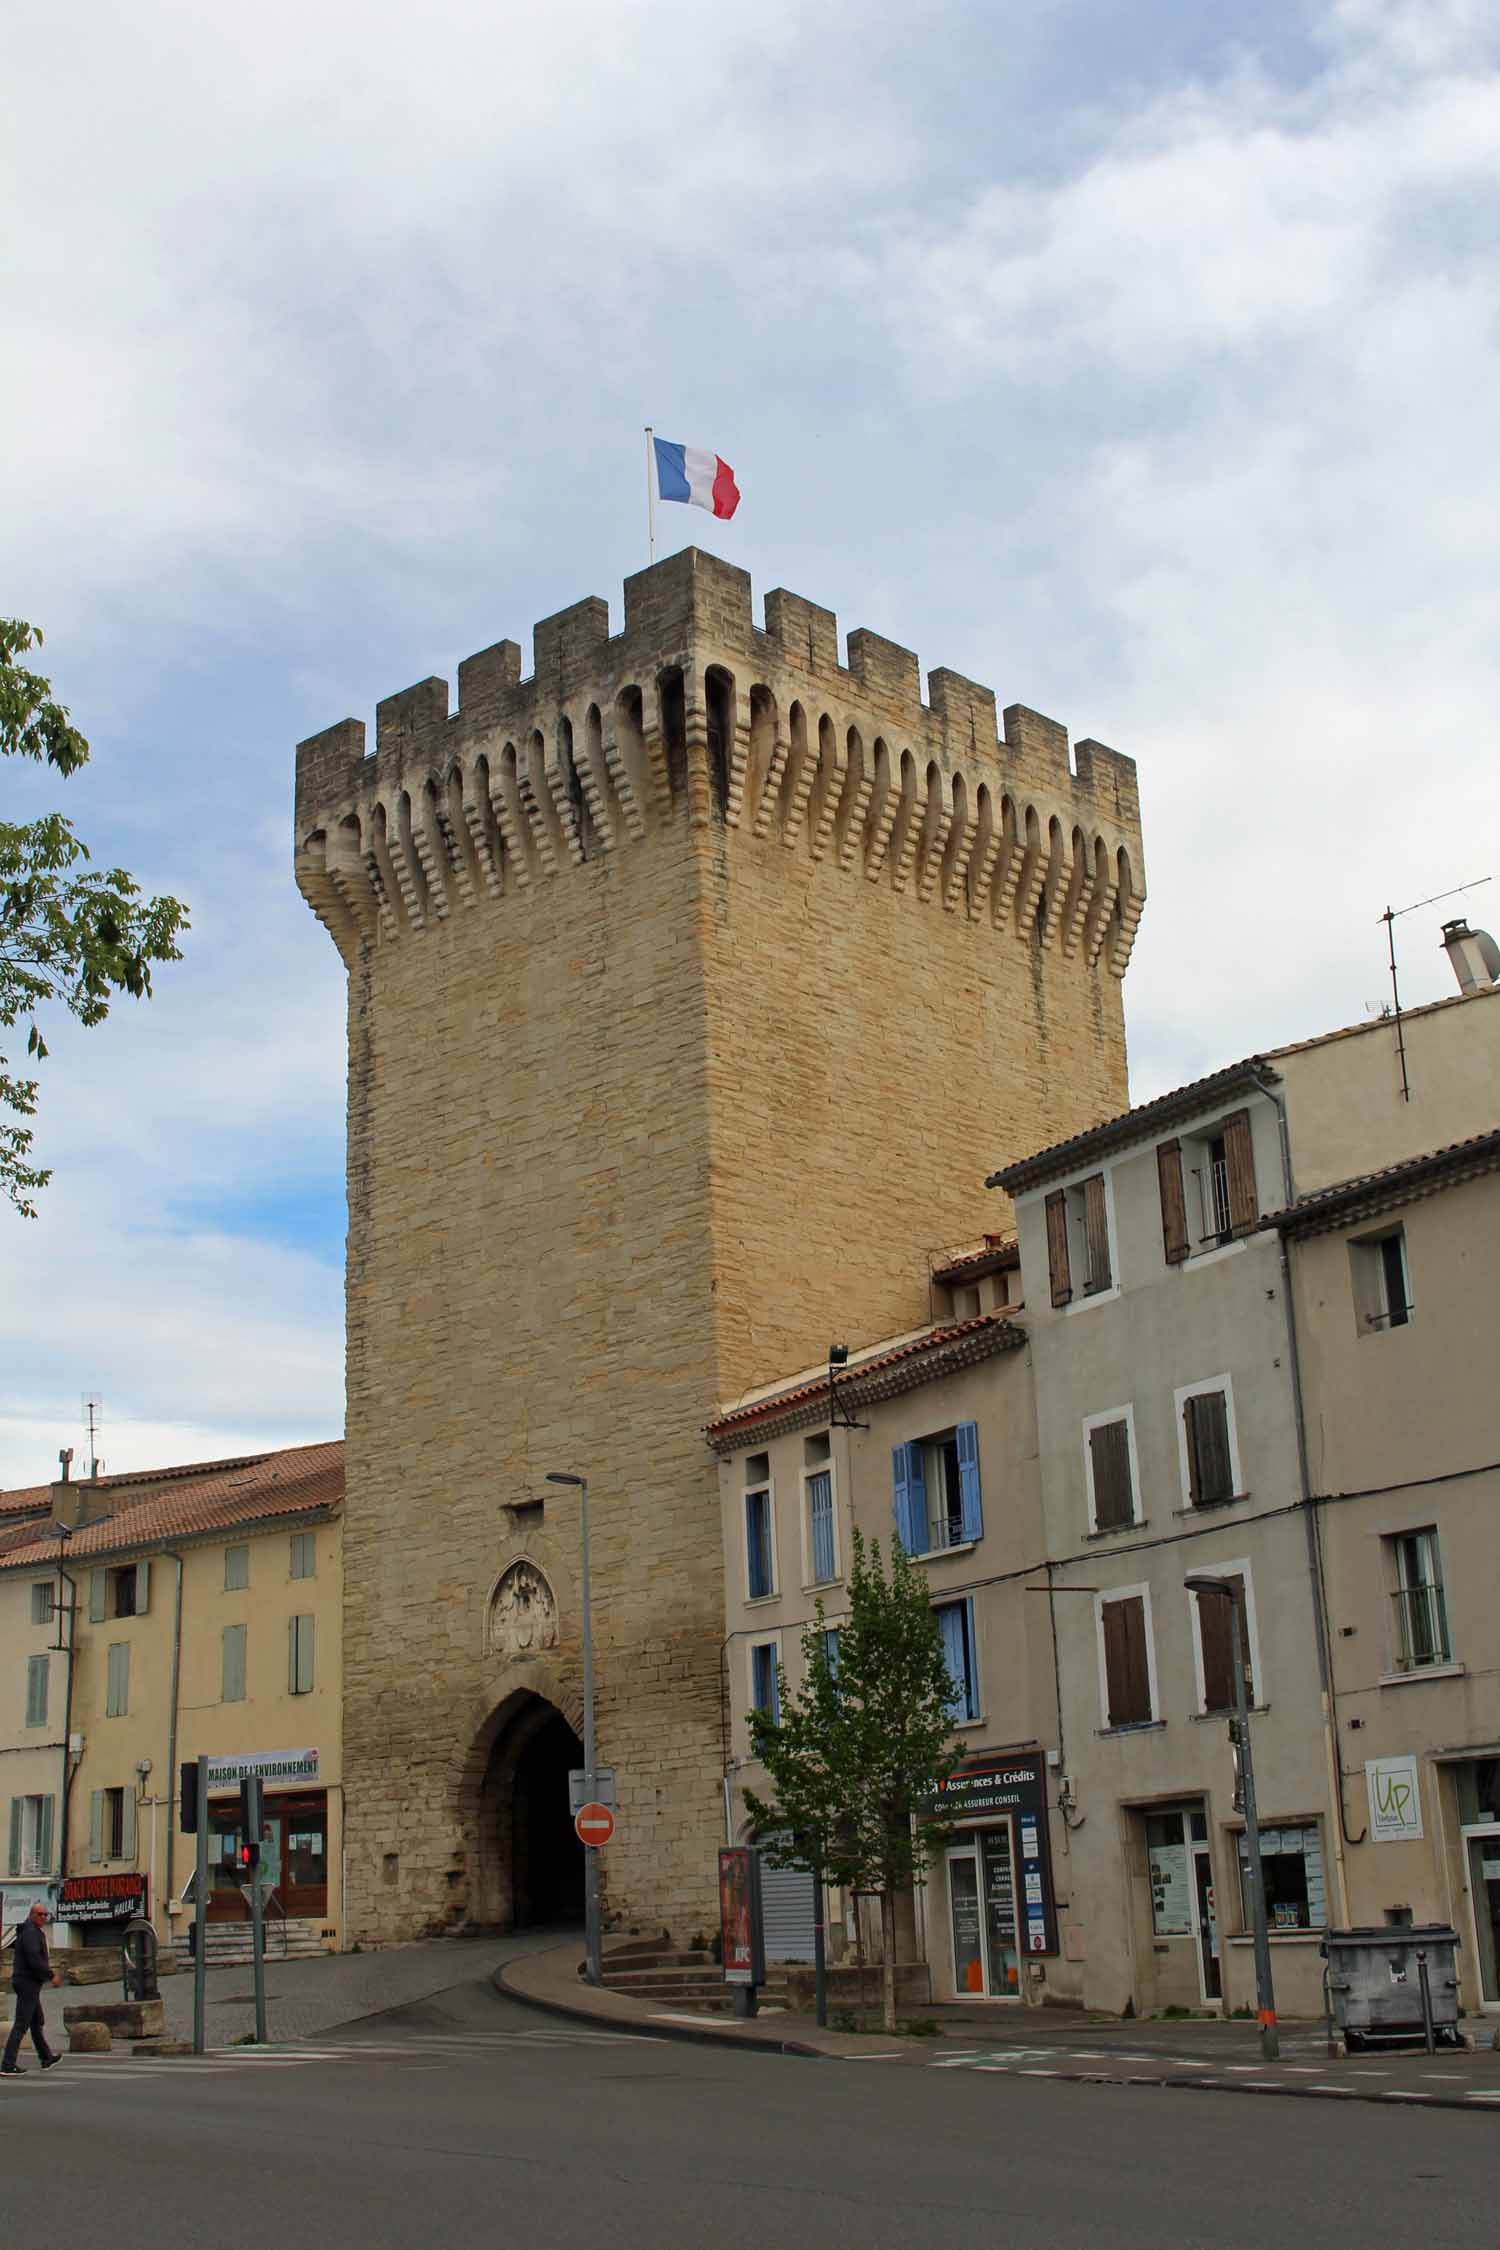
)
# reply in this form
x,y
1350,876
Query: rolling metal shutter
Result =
x,y
786,1895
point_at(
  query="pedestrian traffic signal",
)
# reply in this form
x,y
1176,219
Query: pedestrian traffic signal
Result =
x,y
187,1797
251,1794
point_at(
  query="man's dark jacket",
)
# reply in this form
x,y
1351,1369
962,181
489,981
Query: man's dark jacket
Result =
x,y
30,1964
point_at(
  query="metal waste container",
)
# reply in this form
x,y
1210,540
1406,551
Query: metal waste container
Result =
x,y
1376,1979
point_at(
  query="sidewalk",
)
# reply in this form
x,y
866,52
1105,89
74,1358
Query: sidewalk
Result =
x,y
1204,2053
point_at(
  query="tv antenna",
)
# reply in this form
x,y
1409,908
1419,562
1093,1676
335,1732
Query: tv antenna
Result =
x,y
1391,917
93,1418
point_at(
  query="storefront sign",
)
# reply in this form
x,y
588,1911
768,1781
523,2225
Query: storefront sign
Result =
x,y
17,1900
102,1898
991,1783
1395,1800
739,1915
273,1766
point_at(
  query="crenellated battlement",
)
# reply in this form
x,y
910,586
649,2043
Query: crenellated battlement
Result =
x,y
693,712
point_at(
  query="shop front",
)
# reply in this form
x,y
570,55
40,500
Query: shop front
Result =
x,y
97,1909
1477,1786
996,1908
294,1837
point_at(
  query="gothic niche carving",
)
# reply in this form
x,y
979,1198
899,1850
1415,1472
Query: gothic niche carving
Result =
x,y
523,1614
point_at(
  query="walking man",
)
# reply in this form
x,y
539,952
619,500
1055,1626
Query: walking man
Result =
x,y
31,1968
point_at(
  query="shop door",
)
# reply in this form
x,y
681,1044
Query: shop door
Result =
x,y
1483,1846
982,1908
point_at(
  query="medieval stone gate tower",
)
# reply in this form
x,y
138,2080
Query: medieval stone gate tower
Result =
x,y
695,981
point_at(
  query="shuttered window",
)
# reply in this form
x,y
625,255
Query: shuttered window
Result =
x,y
765,1688
117,1681
112,1824
820,1526
1174,1226
36,1691
956,1627
304,1554
299,1666
1127,1671
232,1681
236,1569
1109,1472
41,1602
1057,1247
1210,1467
31,1828
909,1480
1239,1159
1095,1235
1216,1641
758,1573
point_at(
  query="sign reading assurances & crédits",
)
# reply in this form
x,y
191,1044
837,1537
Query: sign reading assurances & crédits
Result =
x,y
1013,1783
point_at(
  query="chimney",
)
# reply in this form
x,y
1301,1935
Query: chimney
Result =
x,y
1474,954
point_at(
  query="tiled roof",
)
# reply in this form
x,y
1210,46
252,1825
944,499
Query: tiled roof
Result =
x,y
1326,1206
1183,1101
813,1382
199,1500
1000,1254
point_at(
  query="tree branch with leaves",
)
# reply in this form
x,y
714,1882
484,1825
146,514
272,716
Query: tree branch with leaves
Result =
x,y
858,1754
71,934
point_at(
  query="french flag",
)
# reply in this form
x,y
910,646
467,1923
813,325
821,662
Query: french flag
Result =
x,y
686,472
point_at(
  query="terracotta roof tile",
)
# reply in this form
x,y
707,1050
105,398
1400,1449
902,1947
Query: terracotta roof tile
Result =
x,y
869,1362
200,1499
1481,1152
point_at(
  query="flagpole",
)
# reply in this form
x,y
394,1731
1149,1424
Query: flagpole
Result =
x,y
650,495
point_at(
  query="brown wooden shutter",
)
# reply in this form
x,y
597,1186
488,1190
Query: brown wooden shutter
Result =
x,y
1096,1233
1057,1247
1239,1162
1217,1643
1174,1230
1210,1469
1127,1673
1109,1453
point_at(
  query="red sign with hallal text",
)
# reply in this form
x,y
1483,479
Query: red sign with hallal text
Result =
x,y
101,1898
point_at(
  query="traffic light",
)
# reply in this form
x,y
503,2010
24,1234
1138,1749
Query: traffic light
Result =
x,y
187,1797
250,1821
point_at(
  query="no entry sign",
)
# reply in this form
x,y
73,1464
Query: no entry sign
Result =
x,y
595,1823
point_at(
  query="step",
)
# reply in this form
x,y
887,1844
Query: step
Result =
x,y
626,1964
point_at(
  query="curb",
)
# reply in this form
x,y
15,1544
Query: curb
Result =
x,y
687,2033
1296,2093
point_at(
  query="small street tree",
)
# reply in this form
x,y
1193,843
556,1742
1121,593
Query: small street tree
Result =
x,y
861,1748
69,932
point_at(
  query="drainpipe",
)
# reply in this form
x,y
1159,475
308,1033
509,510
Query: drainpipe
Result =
x,y
1327,1690
172,1749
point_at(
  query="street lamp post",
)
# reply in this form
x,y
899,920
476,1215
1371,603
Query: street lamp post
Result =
x,y
1228,1589
591,1917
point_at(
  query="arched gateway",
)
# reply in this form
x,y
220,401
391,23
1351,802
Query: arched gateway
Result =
x,y
525,1860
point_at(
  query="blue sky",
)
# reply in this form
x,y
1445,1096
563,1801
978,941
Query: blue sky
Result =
x,y
1140,360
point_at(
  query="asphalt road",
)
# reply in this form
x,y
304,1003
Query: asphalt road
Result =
x,y
467,2120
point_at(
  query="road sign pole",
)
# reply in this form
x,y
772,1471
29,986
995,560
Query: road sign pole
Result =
x,y
592,1919
258,1947
200,1914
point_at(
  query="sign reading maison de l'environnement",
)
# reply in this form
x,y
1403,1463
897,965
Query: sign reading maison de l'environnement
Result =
x,y
268,1765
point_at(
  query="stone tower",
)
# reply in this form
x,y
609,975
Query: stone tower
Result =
x,y
695,982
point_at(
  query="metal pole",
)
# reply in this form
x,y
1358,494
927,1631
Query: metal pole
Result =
x,y
591,1851
1265,1997
1426,2000
820,1959
200,1912
258,1940
650,493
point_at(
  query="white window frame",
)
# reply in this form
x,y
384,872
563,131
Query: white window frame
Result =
x,y
1180,1397
1125,1594
43,1588
810,1584
1392,1541
1092,1422
1240,1570
767,1485
1083,1300
771,1641
31,1835
1372,1304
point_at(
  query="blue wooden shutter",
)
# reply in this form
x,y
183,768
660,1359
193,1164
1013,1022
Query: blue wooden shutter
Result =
x,y
911,1498
98,1587
44,1841
15,1835
951,1623
142,1588
127,1821
967,1434
820,1518
36,1691
96,1826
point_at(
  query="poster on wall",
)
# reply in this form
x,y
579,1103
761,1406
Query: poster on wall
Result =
x,y
1395,1800
1171,1902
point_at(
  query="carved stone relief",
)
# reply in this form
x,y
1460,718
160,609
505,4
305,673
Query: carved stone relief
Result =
x,y
523,1614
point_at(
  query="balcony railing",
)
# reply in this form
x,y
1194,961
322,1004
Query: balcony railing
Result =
x,y
1421,1627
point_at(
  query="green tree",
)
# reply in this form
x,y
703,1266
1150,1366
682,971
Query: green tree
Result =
x,y
861,1749
69,932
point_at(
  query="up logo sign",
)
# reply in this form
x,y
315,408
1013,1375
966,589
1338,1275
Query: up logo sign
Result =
x,y
1395,1800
